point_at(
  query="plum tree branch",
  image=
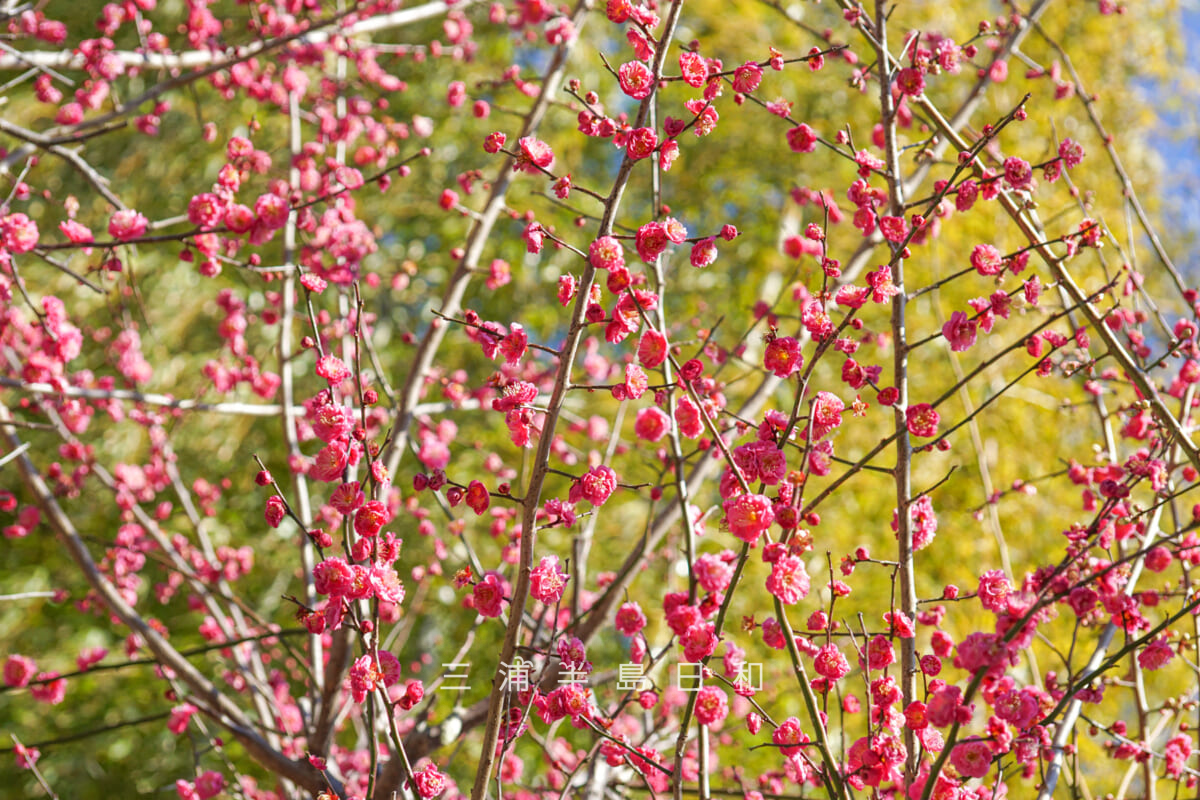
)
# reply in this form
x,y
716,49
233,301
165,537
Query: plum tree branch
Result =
x,y
229,714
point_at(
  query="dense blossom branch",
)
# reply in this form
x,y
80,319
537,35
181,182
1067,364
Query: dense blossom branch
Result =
x,y
582,344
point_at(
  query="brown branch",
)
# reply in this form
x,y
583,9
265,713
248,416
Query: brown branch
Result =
x,y
226,712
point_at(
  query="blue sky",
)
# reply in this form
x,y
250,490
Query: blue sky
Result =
x,y
1177,139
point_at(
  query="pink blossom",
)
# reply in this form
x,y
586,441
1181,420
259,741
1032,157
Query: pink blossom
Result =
x,y
370,518
178,720
27,757
941,642
630,619
769,461
652,349
49,688
572,700
651,240
712,706
965,197
275,511
477,497
882,288
923,521
668,151
272,211
635,383
636,79
490,594
206,210
713,572
1158,558
783,356
333,577
18,671
994,589
566,289
1176,752
562,187
885,691
313,282
329,463
1071,153
652,424
534,156
605,253
772,633
641,143
922,420
820,458
987,260
789,579
802,139
699,641
514,345
364,675
877,759
694,68
826,414
1156,655
911,81
704,253
879,653
18,233
90,657
597,485
209,784
430,782
972,758
75,232
1019,708
959,331
747,77
687,416
816,320
984,651
829,662
790,736
915,717
127,224
852,296
494,141
331,422
944,707
347,497
748,515
894,229
332,369
1017,172
547,581
69,114
867,162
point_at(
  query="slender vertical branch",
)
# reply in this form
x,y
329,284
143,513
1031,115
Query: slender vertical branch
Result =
x,y
288,416
567,355
902,471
